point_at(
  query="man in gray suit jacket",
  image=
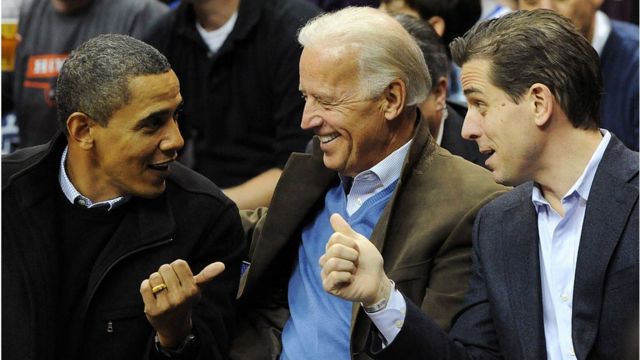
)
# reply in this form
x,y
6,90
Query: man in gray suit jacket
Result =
x,y
555,271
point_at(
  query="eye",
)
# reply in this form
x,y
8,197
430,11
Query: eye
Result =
x,y
479,105
178,113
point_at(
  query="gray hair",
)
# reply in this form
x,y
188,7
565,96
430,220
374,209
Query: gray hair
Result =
x,y
95,78
539,46
386,51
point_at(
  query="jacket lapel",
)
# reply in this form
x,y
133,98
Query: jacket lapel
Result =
x,y
288,210
421,150
611,193
519,239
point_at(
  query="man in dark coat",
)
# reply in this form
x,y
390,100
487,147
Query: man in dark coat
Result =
x,y
93,222
555,272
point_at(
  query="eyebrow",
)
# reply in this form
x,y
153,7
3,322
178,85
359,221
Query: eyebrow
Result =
x,y
471,90
160,115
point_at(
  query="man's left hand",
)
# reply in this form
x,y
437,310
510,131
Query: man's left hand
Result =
x,y
169,308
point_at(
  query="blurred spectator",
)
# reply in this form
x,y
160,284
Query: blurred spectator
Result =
x,y
617,45
10,11
624,10
444,119
237,62
493,8
50,29
333,5
449,18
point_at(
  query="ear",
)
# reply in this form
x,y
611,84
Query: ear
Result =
x,y
438,24
395,97
542,102
79,129
440,91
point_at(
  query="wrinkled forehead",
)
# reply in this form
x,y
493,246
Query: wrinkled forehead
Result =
x,y
329,65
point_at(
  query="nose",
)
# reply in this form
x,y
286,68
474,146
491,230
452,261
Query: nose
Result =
x,y
172,140
471,129
310,118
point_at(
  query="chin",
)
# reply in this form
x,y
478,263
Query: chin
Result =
x,y
151,192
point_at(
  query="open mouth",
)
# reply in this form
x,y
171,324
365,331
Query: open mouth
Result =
x,y
487,152
163,166
324,139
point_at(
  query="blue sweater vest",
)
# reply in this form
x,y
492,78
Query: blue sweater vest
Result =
x,y
319,326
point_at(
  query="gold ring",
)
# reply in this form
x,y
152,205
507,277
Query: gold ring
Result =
x,y
156,289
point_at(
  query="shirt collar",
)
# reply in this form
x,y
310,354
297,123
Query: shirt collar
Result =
x,y
582,186
601,31
386,171
72,194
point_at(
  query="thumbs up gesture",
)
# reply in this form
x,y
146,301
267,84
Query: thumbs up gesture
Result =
x,y
352,267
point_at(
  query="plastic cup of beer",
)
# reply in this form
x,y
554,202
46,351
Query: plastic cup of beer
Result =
x,y
9,43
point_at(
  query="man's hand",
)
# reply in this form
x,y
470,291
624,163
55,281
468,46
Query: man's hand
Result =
x,y
169,308
352,267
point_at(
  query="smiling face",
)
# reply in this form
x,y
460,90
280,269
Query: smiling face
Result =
x,y
131,155
352,129
502,128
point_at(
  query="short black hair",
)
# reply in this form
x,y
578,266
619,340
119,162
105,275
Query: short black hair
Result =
x,y
95,78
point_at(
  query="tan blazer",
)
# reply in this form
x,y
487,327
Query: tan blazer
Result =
x,y
424,235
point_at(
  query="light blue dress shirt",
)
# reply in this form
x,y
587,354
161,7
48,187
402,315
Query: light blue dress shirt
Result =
x,y
559,243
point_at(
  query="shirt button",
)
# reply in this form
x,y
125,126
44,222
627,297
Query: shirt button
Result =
x,y
359,201
564,297
399,324
81,202
571,352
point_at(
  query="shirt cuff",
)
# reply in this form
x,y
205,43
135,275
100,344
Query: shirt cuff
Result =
x,y
389,321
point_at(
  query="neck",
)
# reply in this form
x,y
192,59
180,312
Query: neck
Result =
x,y
212,14
589,31
67,6
565,158
78,167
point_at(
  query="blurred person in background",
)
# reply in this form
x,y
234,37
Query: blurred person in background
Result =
x,y
444,118
237,61
49,30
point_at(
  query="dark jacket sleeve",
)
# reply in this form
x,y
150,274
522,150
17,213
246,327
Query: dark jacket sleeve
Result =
x,y
472,336
214,315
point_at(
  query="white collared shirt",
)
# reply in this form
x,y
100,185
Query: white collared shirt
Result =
x,y
370,182
559,243
73,195
601,31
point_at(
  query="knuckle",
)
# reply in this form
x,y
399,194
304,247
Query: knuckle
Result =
x,y
165,267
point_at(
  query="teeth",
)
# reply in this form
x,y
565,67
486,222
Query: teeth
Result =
x,y
326,138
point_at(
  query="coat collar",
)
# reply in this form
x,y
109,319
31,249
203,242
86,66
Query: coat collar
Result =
x,y
310,180
522,261
614,191
146,222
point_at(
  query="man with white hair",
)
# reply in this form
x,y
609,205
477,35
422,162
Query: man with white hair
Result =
x,y
376,166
